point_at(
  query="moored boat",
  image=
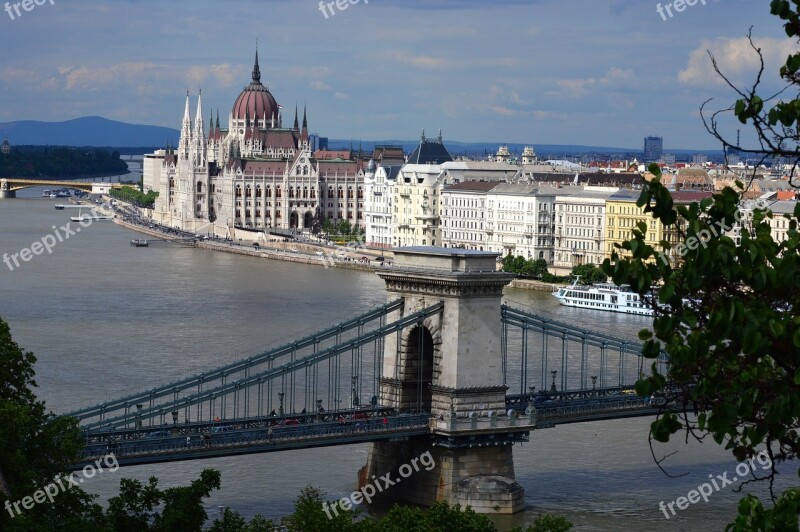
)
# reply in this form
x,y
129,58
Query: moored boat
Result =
x,y
603,296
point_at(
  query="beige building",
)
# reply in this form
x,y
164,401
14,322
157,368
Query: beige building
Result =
x,y
463,215
520,220
417,195
580,227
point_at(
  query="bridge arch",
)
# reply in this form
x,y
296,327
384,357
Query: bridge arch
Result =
x,y
420,365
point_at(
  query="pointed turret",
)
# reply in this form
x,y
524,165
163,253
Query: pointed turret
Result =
x,y
256,70
304,134
199,134
186,132
296,123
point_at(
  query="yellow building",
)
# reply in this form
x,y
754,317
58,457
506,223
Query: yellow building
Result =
x,y
622,216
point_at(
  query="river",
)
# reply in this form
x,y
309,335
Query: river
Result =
x,y
106,319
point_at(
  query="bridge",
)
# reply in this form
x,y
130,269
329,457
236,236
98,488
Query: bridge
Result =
x,y
442,367
10,186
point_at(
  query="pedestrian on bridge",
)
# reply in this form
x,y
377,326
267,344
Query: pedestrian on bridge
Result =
x,y
188,441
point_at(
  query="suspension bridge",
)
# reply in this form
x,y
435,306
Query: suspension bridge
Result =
x,y
442,367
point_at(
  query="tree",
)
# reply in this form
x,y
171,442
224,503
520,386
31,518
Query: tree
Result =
x,y
589,273
727,311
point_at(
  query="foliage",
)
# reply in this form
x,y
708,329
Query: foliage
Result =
x,y
548,523
36,444
134,196
724,316
60,162
727,311
536,269
343,231
589,273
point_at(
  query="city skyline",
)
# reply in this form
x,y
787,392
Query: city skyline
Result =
x,y
621,71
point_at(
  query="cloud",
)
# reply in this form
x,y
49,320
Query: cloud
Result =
x,y
577,88
735,58
421,61
319,85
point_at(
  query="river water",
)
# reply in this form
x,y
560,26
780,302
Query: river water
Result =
x,y
106,319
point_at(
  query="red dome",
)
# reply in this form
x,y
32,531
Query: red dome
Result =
x,y
255,101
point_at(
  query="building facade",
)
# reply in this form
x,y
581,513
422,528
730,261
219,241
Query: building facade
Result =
x,y
653,149
463,215
580,227
254,176
417,195
520,220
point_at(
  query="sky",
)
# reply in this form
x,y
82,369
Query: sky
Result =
x,y
588,72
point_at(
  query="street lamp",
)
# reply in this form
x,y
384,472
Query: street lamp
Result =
x,y
280,398
553,387
594,381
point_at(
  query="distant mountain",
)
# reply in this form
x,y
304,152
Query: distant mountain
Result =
x,y
102,132
87,131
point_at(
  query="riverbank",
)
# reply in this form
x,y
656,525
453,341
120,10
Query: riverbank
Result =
x,y
531,284
305,254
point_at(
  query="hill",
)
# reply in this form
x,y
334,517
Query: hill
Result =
x,y
87,131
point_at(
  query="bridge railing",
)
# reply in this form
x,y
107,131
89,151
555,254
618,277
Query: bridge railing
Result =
x,y
156,414
223,373
537,351
310,434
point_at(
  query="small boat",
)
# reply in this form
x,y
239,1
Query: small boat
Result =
x,y
603,296
46,194
139,243
60,207
95,218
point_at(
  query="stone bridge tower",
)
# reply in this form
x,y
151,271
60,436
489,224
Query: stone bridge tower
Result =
x,y
451,366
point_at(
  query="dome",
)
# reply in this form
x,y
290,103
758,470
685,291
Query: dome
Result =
x,y
255,101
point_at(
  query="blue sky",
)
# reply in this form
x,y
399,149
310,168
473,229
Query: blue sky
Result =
x,y
592,72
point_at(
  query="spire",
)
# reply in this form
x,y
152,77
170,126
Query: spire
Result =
x,y
305,122
256,69
217,119
211,124
304,134
296,125
186,132
199,127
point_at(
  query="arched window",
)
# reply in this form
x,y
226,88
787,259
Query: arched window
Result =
x,y
258,192
238,193
278,192
269,192
199,187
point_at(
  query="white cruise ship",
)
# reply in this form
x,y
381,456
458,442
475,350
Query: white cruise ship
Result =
x,y
603,296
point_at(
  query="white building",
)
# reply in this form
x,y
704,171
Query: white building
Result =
x,y
416,197
151,170
379,184
463,214
580,227
520,220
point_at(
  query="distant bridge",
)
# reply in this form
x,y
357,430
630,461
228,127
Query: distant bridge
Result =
x,y
10,186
